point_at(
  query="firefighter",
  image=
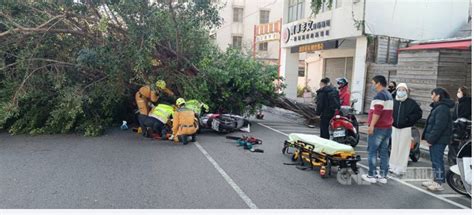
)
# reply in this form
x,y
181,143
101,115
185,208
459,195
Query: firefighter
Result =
x,y
184,123
145,97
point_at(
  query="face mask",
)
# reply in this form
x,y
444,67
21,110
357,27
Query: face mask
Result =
x,y
401,94
372,88
459,95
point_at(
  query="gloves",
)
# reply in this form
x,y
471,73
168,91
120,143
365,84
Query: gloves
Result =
x,y
171,137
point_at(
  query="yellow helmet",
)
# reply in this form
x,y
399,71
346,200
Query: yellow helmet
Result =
x,y
180,102
160,84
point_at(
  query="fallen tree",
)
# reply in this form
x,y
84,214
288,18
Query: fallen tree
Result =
x,y
74,67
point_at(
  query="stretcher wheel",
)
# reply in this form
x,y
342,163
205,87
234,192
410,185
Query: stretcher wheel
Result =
x,y
344,175
325,170
294,157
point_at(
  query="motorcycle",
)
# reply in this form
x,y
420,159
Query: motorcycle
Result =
x,y
344,127
459,176
224,123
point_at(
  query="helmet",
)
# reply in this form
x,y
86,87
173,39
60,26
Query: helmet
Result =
x,y
160,84
342,82
180,102
206,107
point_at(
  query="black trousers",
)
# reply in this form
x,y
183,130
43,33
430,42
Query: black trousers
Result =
x,y
324,127
153,123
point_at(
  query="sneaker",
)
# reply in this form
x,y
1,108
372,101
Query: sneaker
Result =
x,y
382,180
370,179
435,187
427,183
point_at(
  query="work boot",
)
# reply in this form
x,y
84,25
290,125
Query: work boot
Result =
x,y
193,138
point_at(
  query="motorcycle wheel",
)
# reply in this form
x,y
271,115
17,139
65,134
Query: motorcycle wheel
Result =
x,y
415,156
455,182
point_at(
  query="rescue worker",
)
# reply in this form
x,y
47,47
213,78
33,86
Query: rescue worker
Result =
x,y
344,93
184,123
145,97
161,115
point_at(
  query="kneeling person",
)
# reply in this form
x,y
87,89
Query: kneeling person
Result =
x,y
161,114
184,123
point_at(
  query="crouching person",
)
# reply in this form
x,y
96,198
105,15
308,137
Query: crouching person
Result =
x,y
184,123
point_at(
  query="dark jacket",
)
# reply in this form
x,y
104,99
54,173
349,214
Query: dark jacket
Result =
x,y
406,113
327,101
463,108
439,126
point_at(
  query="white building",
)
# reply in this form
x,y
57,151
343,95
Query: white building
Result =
x,y
336,40
239,19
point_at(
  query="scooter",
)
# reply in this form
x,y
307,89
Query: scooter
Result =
x,y
224,123
459,176
344,127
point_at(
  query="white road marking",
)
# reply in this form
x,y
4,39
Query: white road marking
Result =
x,y
395,179
415,179
229,180
452,195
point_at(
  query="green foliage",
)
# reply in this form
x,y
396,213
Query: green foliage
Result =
x,y
79,73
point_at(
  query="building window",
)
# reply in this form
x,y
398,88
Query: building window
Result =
x,y
238,14
301,72
325,6
264,16
263,46
338,3
237,42
295,10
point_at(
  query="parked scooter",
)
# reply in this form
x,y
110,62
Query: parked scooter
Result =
x,y
344,127
459,176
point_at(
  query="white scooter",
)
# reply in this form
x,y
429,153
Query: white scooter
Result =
x,y
459,177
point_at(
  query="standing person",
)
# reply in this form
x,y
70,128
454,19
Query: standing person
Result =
x,y
380,129
406,112
327,102
344,93
391,89
184,123
461,110
437,133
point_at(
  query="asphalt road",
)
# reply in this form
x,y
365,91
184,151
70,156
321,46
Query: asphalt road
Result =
x,y
123,170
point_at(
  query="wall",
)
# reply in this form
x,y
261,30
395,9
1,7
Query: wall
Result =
x,y
415,19
454,70
418,69
251,17
342,22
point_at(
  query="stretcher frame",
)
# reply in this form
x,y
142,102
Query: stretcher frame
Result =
x,y
304,153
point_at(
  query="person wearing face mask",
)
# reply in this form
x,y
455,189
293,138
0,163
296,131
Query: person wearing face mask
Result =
x,y
391,89
380,130
461,110
438,132
406,112
463,106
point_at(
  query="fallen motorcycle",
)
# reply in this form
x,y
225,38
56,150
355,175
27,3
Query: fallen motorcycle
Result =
x,y
224,123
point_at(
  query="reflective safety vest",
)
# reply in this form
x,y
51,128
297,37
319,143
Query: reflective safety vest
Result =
x,y
194,105
162,112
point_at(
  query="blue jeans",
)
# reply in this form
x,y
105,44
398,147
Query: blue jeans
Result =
x,y
437,162
378,142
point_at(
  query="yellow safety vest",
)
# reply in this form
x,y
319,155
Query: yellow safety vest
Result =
x,y
162,112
